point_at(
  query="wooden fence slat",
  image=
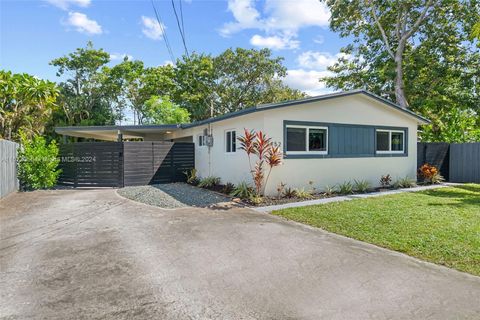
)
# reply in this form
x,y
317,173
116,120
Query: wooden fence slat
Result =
x,y
8,167
465,162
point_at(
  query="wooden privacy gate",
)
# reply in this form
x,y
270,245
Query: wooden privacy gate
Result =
x,y
118,164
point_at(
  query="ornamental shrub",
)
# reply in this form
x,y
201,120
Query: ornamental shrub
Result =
x,y
430,173
37,163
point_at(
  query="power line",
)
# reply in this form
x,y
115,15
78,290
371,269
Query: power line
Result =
x,y
180,28
181,16
164,33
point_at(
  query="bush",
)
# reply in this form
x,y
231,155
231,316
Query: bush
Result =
x,y
427,172
255,199
345,188
430,174
361,186
385,181
404,183
437,178
37,163
303,194
243,191
228,188
192,176
267,153
209,182
329,190
289,193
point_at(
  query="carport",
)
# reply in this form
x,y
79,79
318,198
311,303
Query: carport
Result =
x,y
115,162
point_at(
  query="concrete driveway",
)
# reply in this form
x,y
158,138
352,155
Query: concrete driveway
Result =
x,y
89,254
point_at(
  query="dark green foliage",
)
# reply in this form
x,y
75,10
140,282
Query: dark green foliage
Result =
x,y
405,182
87,96
243,191
26,104
228,188
289,193
209,182
345,188
37,163
361,186
192,177
440,60
234,80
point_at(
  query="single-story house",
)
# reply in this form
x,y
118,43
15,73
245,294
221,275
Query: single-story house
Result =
x,y
326,140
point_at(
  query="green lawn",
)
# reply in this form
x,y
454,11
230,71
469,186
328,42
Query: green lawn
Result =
x,y
440,225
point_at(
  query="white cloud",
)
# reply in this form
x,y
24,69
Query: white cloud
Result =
x,y
312,66
307,81
316,60
83,24
295,14
151,28
274,42
286,15
120,56
65,4
278,18
245,14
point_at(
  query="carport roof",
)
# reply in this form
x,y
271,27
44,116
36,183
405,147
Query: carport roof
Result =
x,y
110,133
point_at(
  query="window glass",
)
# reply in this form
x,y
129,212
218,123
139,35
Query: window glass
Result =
x,y
382,141
230,141
397,141
296,139
317,139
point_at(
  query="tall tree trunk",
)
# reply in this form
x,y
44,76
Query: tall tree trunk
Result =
x,y
399,83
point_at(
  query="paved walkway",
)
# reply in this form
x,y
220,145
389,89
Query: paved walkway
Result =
x,y
89,254
343,198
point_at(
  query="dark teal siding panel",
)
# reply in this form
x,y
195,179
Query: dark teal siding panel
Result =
x,y
351,140
348,140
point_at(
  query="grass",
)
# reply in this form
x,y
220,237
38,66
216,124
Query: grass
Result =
x,y
440,225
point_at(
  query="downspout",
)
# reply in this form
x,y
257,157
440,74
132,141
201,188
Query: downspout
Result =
x,y
210,145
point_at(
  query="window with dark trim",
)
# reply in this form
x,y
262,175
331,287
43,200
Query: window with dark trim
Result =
x,y
390,141
201,141
230,141
306,140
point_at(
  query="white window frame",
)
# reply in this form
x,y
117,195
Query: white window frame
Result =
x,y
225,139
307,140
389,151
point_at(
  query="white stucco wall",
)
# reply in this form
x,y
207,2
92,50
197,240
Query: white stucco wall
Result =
x,y
355,109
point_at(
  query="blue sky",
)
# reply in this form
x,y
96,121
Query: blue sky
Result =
x,y
32,33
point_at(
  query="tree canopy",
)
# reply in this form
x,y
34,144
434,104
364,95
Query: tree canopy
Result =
x,y
234,80
87,95
95,93
430,45
26,104
160,110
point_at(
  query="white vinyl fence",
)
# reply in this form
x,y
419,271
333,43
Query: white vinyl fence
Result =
x,y
8,167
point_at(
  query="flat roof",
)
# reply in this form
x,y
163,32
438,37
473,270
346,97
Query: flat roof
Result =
x,y
111,132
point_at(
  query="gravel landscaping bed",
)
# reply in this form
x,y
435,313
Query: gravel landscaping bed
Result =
x,y
173,195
